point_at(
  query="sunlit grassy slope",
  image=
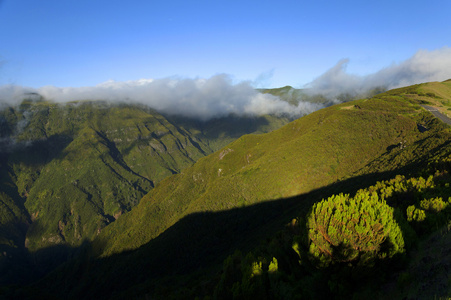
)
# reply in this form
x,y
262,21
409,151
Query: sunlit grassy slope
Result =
x,y
355,138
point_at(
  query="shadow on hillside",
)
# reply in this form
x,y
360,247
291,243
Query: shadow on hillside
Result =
x,y
20,266
37,152
223,127
197,244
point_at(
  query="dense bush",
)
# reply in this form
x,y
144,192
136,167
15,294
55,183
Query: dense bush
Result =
x,y
353,230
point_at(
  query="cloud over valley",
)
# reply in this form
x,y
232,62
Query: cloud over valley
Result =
x,y
198,98
219,95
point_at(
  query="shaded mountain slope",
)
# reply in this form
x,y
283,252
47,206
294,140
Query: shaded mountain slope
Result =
x,y
80,166
219,132
14,220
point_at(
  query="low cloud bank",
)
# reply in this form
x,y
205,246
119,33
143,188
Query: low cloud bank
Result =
x,y
219,96
424,66
197,98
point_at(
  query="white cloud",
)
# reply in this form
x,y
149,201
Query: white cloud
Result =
x,y
424,66
198,98
219,96
12,94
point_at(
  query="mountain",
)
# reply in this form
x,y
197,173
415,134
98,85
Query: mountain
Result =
x,y
330,145
294,95
241,197
69,170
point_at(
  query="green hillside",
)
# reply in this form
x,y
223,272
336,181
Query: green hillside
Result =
x,y
317,150
69,170
14,220
80,166
240,198
219,227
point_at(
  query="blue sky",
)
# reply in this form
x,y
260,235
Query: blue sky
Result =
x,y
68,43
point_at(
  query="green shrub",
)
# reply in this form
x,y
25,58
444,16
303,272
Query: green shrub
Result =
x,y
415,214
434,205
245,277
353,230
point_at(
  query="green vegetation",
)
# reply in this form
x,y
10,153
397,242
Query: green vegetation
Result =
x,y
322,148
353,247
80,166
14,219
361,186
292,95
354,230
69,170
